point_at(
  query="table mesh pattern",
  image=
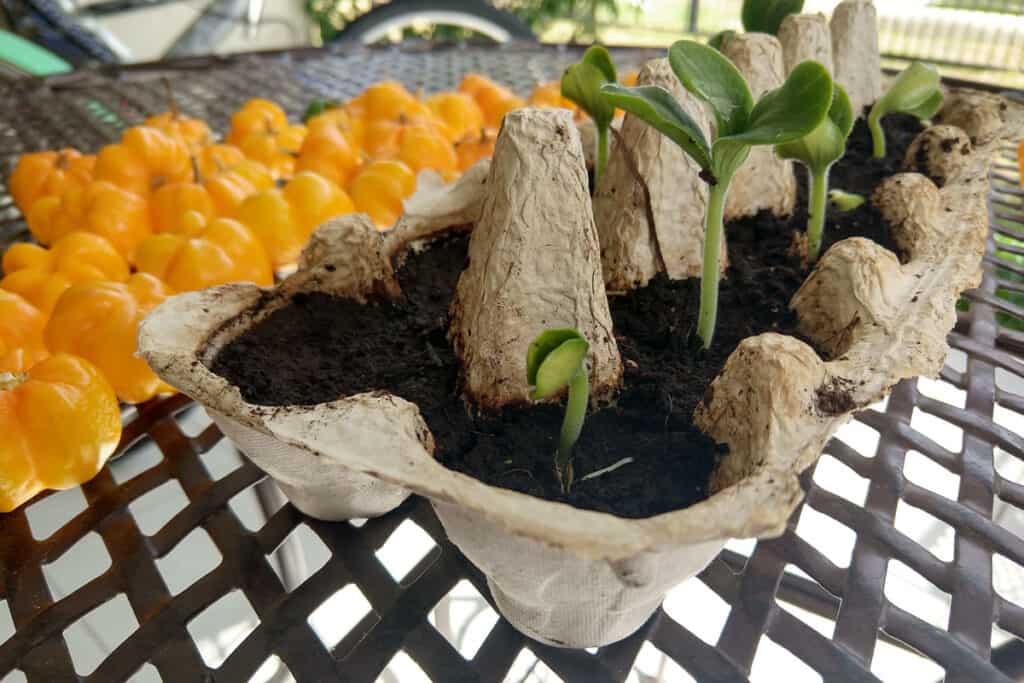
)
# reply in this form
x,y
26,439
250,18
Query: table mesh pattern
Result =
x,y
832,613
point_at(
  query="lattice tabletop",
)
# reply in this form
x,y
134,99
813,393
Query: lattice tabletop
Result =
x,y
929,486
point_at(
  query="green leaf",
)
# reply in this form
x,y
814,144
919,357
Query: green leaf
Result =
x,y
709,75
791,111
826,144
659,109
915,91
559,367
765,16
841,111
582,83
545,343
598,57
319,106
928,108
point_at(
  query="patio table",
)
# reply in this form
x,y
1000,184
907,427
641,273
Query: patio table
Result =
x,y
927,487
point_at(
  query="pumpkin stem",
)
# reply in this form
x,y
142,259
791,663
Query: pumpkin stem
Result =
x,y
172,103
62,161
10,381
195,170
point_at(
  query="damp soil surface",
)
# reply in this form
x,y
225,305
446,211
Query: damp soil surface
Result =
x,y
320,348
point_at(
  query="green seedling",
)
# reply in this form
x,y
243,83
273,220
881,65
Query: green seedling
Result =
x,y
782,115
915,91
581,83
845,201
818,150
765,16
557,359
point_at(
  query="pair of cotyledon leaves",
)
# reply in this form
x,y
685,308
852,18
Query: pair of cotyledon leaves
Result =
x,y
782,115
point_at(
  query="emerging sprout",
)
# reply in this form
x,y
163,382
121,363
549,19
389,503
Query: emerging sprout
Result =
x,y
582,83
818,150
915,92
765,16
556,359
782,115
845,201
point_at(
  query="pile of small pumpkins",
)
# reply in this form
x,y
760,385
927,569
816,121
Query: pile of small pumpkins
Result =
x,y
169,209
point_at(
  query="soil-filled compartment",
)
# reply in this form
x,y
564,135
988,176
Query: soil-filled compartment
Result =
x,y
319,348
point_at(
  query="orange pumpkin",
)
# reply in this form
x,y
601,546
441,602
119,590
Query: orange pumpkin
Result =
x,y
41,275
459,112
193,132
48,173
100,208
345,119
472,149
494,100
549,94
212,159
256,116
21,333
424,147
145,159
172,201
378,190
275,148
283,219
231,186
328,152
99,322
390,100
223,251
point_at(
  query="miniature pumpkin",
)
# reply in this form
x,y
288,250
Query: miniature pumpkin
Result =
x,y
223,251
59,422
328,152
472,149
213,159
459,112
275,148
21,333
390,100
283,219
145,159
100,208
256,116
378,191
170,202
345,120
41,275
45,174
195,133
229,187
98,321
494,100
423,147
549,94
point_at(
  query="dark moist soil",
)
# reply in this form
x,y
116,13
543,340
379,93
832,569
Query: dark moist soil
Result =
x,y
321,347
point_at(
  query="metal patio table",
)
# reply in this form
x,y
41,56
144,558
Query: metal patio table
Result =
x,y
87,109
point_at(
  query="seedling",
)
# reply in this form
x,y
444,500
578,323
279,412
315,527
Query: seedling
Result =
x,y
845,201
556,359
582,83
915,92
818,150
765,16
782,115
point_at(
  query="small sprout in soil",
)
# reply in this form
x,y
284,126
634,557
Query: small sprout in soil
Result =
x,y
581,83
782,115
765,16
844,201
818,150
557,359
915,91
